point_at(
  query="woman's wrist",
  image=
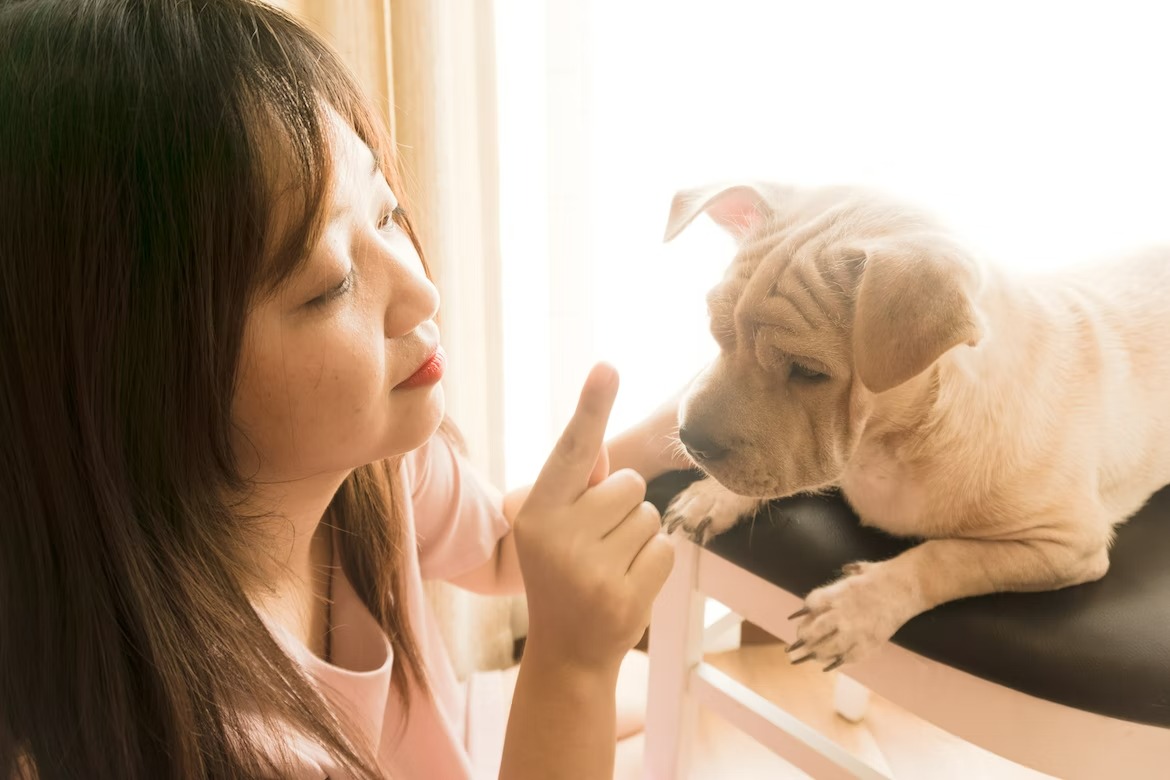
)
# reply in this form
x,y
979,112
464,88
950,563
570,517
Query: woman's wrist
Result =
x,y
563,717
589,670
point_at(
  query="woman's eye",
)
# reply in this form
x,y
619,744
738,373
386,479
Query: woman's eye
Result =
x,y
389,220
804,372
333,293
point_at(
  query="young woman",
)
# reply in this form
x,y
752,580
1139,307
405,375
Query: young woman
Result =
x,y
224,470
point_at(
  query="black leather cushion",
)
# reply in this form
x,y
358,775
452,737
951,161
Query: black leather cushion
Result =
x,y
1102,647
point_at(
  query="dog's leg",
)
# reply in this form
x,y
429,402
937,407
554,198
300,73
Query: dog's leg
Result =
x,y
706,508
843,621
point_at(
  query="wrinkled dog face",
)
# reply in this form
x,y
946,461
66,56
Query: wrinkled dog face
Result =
x,y
821,277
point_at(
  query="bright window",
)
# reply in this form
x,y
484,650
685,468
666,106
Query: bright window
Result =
x,y
1040,130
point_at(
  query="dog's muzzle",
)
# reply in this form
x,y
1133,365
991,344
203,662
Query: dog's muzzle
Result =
x,y
701,446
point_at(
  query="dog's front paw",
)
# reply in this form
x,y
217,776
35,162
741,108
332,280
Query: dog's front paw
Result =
x,y
844,621
705,509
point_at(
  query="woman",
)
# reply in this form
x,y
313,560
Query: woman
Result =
x,y
223,463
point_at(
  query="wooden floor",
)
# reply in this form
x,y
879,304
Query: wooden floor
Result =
x,y
889,739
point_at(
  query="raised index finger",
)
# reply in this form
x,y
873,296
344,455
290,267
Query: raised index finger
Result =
x,y
565,475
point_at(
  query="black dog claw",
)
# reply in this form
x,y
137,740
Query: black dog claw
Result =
x,y
840,660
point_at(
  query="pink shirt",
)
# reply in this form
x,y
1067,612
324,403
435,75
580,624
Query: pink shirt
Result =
x,y
452,524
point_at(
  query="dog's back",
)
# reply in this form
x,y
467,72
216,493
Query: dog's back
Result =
x,y
1104,368
1130,298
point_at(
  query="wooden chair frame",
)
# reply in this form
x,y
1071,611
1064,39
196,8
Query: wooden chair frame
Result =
x,y
1049,737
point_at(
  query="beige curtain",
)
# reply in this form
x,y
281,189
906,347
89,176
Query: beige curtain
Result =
x,y
360,31
430,65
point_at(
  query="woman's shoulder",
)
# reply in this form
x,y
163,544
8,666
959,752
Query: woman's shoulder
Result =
x,y
457,515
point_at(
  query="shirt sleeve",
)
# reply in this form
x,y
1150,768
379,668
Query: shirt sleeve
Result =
x,y
458,515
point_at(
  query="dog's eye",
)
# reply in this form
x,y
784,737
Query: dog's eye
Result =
x,y
804,372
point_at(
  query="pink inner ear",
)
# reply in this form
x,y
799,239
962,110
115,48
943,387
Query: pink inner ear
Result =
x,y
737,210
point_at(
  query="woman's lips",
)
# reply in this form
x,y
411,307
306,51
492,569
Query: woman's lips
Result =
x,y
428,373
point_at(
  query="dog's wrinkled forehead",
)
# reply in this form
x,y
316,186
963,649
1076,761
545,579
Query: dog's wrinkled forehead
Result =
x,y
790,301
848,277
798,268
795,277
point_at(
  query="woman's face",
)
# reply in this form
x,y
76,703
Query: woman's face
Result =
x,y
325,360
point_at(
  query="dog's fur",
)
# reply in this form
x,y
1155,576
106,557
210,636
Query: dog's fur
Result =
x,y
1010,421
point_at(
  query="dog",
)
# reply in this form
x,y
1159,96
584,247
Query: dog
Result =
x,y
1009,421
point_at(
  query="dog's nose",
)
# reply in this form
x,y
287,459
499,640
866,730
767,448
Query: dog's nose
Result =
x,y
700,445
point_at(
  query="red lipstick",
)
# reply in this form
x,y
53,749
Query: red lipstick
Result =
x,y
428,373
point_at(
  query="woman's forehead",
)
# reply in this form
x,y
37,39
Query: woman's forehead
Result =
x,y
354,163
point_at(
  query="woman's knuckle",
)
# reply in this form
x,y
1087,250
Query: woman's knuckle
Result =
x,y
630,486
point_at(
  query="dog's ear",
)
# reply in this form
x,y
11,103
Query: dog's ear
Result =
x,y
914,303
736,208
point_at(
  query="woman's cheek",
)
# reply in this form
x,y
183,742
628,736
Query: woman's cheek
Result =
x,y
358,380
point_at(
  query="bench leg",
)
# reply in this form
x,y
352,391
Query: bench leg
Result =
x,y
676,647
851,699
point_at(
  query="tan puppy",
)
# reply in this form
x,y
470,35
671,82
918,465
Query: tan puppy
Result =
x,y
1010,421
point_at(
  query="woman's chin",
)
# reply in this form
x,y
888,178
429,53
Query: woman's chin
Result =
x,y
414,426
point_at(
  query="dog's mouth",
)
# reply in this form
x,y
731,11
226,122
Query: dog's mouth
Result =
x,y
751,478
748,482
731,467
703,458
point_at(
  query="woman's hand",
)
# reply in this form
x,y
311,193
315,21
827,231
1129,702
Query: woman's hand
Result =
x,y
593,560
589,546
649,448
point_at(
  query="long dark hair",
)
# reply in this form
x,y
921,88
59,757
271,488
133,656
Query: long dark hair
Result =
x,y
138,140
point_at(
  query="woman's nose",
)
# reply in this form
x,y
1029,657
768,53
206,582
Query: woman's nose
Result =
x,y
413,299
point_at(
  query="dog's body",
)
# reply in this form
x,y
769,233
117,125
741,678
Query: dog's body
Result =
x,y
1011,422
